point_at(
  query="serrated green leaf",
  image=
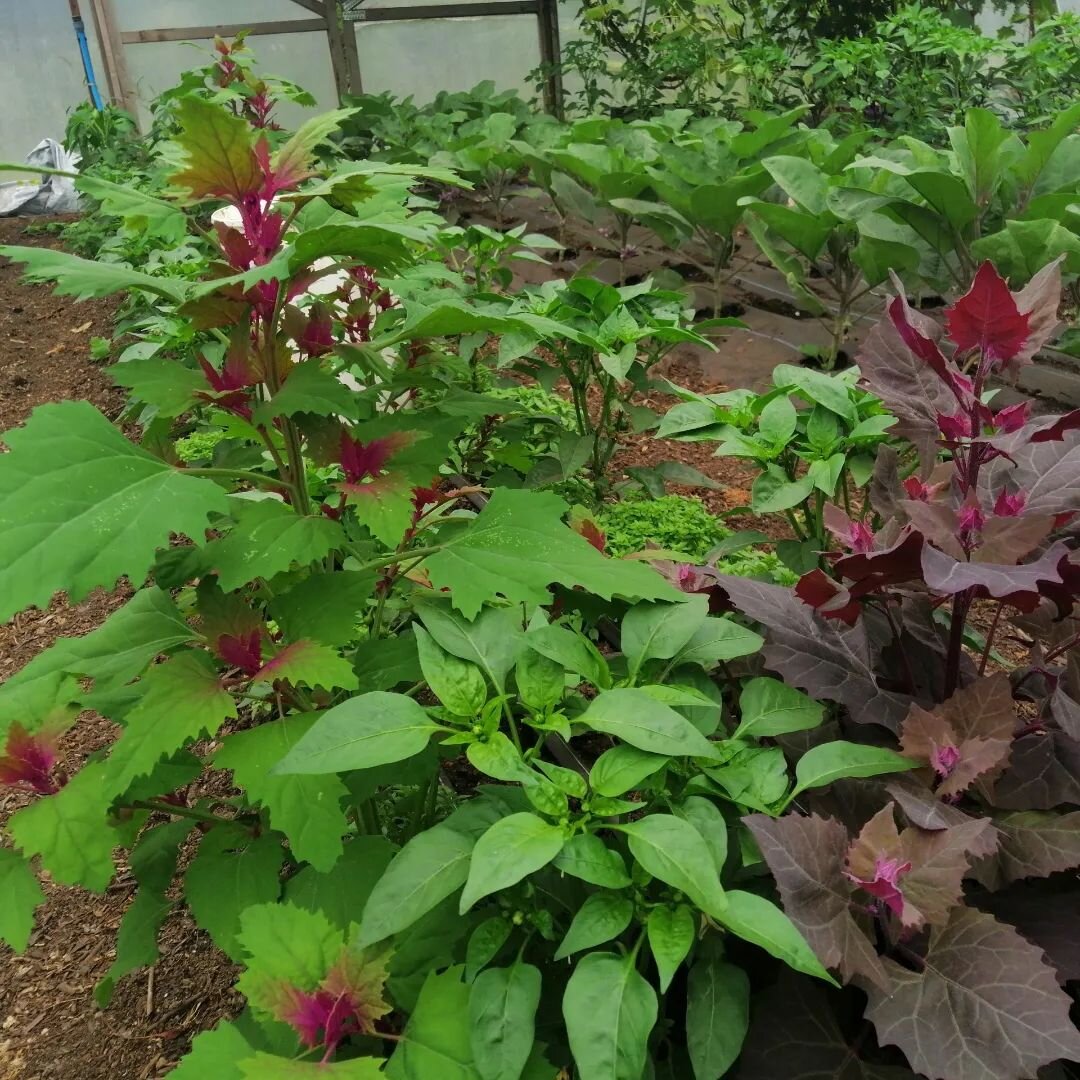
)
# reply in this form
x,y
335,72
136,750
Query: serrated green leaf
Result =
x,y
165,384
341,892
22,894
325,607
510,850
268,538
81,506
360,733
182,698
141,211
86,279
69,831
308,389
216,1053
306,663
284,945
518,546
268,1067
219,153
230,873
307,809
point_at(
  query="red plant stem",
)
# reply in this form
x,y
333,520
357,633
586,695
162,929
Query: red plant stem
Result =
x,y
961,606
990,639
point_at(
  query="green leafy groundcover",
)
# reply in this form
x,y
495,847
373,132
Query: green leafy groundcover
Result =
x,y
711,819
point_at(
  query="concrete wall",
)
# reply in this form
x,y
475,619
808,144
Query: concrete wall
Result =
x,y
41,74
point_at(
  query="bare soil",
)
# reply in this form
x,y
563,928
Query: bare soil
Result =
x,y
50,1028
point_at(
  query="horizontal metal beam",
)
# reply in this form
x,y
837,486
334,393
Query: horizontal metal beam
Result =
x,y
442,11
226,30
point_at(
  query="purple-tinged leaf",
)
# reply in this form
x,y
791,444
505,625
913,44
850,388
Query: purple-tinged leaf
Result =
x,y
830,662
806,856
1039,300
924,809
938,523
1043,772
309,664
984,1006
1047,913
1032,843
966,737
1047,472
947,575
810,1044
1007,539
909,388
987,319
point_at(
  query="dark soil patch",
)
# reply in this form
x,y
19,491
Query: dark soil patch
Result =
x,y
50,1028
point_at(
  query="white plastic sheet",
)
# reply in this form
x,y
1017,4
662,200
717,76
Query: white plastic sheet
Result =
x,y
48,194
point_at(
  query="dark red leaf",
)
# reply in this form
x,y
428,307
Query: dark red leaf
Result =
x,y
987,319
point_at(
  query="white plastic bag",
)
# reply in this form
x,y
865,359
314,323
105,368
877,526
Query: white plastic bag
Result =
x,y
47,195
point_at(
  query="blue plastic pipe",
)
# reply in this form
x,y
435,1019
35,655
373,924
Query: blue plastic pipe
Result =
x,y
87,63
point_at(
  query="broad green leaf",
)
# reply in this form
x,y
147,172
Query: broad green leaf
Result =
x,y
81,506
69,832
717,1016
672,850
770,707
431,866
484,944
704,815
754,776
230,873
502,1019
762,923
22,894
182,698
510,850
518,546
284,944
778,421
384,663
573,651
496,756
490,640
141,211
436,1041
308,389
325,607
671,933
341,892
660,630
458,684
540,681
622,768
603,917
267,539
219,153
838,760
217,1053
165,384
360,733
640,720
307,809
816,387
609,1011
265,1066
85,278
801,180
772,492
136,940
587,857
716,641
113,654
153,862
306,663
